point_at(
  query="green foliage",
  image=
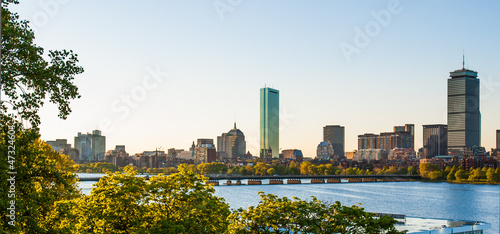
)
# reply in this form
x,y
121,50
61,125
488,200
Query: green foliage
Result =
x,y
123,203
460,175
43,178
451,174
99,167
475,174
435,175
492,176
27,78
283,215
412,170
426,168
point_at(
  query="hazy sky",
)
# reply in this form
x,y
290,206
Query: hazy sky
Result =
x,y
164,73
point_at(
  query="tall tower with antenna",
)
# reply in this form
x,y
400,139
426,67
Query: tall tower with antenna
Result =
x,y
464,116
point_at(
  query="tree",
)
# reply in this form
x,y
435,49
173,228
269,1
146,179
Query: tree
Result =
x,y
282,215
403,171
426,168
451,174
307,168
492,177
124,203
25,70
435,175
460,175
475,174
271,171
43,178
412,170
392,170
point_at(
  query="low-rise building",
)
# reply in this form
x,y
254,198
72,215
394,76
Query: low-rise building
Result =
x,y
325,151
293,154
370,154
401,154
119,157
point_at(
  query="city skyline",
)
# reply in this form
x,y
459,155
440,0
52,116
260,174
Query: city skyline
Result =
x,y
179,72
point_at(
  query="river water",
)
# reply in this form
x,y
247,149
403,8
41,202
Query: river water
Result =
x,y
415,199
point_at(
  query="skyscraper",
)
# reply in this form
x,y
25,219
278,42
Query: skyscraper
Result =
x,y
464,117
335,135
435,140
498,139
269,123
92,147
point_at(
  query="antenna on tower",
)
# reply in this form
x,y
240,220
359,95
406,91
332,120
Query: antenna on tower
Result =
x,y
463,59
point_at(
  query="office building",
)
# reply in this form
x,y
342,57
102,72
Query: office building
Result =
x,y
150,159
435,140
335,135
92,146
498,139
119,157
402,137
204,151
464,117
232,144
269,123
59,144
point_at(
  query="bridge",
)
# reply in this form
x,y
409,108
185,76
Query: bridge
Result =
x,y
353,178
282,177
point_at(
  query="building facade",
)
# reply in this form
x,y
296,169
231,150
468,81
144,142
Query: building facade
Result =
x,y
325,151
59,144
204,151
232,144
498,139
370,154
151,159
464,117
293,154
92,146
269,123
335,134
119,157
402,137
435,140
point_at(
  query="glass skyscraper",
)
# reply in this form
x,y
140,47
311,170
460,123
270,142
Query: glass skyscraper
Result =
x,y
464,117
269,123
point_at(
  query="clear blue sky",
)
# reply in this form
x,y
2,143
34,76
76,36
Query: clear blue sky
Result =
x,y
217,59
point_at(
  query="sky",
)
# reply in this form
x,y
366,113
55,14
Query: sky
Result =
x,y
164,73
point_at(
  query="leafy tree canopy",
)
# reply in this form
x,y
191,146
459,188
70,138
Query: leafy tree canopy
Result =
x,y
27,78
283,215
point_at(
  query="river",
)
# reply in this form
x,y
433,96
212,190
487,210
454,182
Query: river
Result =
x,y
415,199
